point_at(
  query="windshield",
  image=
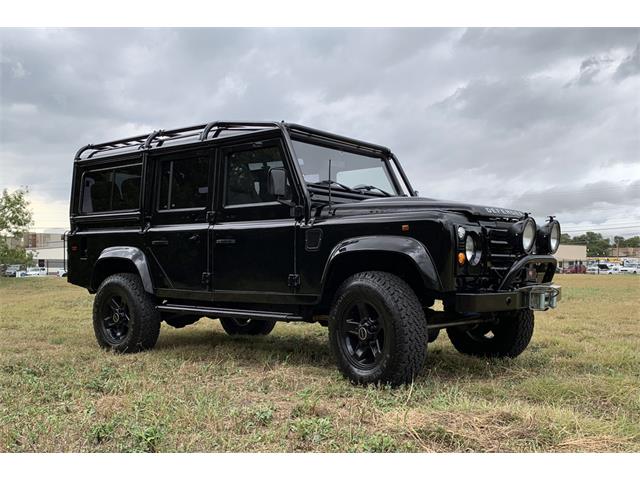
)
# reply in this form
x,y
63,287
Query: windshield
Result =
x,y
349,171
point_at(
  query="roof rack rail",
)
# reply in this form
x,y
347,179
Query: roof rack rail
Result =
x,y
159,137
212,130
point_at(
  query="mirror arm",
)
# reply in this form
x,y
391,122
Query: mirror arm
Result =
x,y
296,211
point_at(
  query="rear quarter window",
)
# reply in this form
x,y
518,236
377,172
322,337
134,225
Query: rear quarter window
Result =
x,y
112,189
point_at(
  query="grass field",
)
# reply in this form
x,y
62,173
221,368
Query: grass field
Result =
x,y
576,388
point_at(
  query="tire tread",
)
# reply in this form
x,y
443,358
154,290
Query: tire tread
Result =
x,y
410,328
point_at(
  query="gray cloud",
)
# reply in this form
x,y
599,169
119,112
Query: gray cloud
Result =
x,y
630,66
475,115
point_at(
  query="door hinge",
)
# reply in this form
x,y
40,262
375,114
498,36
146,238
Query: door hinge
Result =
x,y
211,216
206,278
293,280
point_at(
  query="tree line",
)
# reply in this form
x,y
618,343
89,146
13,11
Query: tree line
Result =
x,y
597,245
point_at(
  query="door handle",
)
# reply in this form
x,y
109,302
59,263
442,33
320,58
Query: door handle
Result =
x,y
225,241
160,243
194,238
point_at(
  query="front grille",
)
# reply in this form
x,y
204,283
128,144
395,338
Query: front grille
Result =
x,y
499,256
500,253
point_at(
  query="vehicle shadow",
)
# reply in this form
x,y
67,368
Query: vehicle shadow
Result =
x,y
443,361
199,345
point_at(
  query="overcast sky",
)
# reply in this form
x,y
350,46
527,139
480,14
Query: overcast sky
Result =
x,y
542,120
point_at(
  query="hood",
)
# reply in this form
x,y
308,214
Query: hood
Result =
x,y
390,204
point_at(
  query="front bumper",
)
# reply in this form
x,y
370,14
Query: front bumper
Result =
x,y
536,297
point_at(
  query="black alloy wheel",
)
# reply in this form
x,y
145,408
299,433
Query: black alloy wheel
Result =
x,y
361,335
116,319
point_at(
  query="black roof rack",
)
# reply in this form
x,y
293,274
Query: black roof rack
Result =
x,y
210,130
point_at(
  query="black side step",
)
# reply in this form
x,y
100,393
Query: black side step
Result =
x,y
229,312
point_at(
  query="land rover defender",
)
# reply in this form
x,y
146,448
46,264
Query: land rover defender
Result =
x,y
257,222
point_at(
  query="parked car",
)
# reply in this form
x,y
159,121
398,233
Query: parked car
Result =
x,y
12,270
62,272
575,269
629,269
254,223
599,269
614,270
35,272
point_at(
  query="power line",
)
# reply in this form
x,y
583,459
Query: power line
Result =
x,y
606,228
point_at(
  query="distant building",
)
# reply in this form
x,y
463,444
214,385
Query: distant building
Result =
x,y
52,258
570,256
45,239
47,248
624,251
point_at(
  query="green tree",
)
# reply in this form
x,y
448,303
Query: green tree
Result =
x,y
631,242
597,246
15,219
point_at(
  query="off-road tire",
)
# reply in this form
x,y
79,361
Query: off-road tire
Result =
x,y
181,321
511,336
247,327
403,353
144,319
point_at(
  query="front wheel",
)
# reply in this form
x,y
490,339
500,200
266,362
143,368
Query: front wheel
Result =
x,y
236,326
125,318
377,330
508,336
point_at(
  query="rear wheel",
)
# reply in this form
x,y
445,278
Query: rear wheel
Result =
x,y
509,336
125,318
236,326
377,329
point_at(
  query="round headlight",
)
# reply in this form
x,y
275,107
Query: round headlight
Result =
x,y
528,235
472,253
554,237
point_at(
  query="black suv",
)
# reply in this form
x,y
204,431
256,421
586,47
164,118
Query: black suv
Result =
x,y
255,222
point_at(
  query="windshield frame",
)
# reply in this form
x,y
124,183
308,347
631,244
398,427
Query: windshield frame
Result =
x,y
396,183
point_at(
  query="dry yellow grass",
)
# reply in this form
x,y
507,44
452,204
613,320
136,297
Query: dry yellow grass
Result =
x,y
576,388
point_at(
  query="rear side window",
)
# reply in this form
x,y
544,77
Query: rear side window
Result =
x,y
111,189
184,183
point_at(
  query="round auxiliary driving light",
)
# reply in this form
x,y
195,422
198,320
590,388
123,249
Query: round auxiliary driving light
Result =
x,y
528,235
549,236
461,233
471,251
554,237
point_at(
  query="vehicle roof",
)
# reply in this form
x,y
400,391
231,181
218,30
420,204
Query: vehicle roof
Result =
x,y
211,131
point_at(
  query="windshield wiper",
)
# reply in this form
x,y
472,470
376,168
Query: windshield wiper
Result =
x,y
368,188
333,182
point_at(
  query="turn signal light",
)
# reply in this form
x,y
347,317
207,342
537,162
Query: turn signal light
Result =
x,y
461,258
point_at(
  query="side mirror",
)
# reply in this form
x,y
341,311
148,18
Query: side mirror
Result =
x,y
277,182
